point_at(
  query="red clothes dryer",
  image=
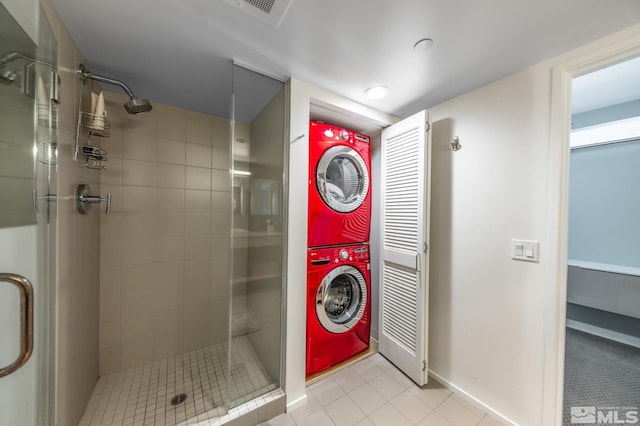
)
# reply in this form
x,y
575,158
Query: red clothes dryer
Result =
x,y
339,186
338,305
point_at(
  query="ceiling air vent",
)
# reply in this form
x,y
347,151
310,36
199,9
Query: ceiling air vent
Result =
x,y
271,11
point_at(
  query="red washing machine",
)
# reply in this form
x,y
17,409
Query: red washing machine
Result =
x,y
339,186
338,305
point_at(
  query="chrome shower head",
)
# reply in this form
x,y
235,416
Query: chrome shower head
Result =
x,y
7,77
133,106
137,105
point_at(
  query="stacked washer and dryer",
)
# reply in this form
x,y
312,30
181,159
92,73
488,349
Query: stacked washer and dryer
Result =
x,y
338,268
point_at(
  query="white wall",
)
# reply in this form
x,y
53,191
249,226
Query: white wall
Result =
x,y
489,330
486,334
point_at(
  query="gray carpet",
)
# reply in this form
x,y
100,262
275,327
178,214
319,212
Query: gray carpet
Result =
x,y
600,373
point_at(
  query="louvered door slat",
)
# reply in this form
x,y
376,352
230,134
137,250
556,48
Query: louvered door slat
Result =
x,y
404,273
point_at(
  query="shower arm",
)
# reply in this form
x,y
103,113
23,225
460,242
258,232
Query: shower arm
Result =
x,y
85,73
12,56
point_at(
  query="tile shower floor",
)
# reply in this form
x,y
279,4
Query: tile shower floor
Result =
x,y
142,395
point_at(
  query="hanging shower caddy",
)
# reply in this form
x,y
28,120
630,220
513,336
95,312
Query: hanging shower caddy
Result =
x,y
89,154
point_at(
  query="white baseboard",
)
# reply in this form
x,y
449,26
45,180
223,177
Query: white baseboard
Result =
x,y
603,332
297,403
474,401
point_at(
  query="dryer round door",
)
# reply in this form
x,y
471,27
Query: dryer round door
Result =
x,y
342,179
341,299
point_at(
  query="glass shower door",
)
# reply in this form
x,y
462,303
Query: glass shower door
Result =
x,y
257,173
27,130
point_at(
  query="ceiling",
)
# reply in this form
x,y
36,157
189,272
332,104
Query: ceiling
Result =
x,y
180,52
608,86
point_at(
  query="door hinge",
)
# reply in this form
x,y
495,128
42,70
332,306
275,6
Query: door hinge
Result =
x,y
424,365
425,247
427,126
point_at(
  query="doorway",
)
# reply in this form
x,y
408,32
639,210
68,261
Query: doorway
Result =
x,y
602,344
614,49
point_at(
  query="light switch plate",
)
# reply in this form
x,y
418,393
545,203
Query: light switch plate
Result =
x,y
526,250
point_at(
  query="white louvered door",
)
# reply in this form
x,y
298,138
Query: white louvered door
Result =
x,y
404,273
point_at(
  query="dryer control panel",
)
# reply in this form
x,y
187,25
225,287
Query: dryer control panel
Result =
x,y
333,255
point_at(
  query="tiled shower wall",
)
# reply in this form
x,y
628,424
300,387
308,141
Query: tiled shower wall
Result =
x,y
165,245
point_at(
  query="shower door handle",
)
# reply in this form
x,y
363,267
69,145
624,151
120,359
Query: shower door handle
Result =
x,y
26,321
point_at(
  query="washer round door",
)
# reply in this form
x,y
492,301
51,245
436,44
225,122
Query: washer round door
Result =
x,y
342,179
341,299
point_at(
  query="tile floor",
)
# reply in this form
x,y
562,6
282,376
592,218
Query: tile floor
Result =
x,y
373,392
141,396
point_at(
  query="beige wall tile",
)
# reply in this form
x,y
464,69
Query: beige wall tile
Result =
x,y
139,146
168,249
221,202
198,248
109,252
136,353
141,123
172,122
220,180
198,178
196,326
169,223
220,158
109,360
138,225
170,175
221,133
110,279
168,322
219,320
170,151
221,224
109,307
198,201
197,276
137,199
166,345
170,200
137,328
198,155
137,251
113,173
136,303
199,128
109,334
197,225
110,225
220,260
139,173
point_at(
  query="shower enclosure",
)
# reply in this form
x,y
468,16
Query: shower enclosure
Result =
x,y
192,259
168,309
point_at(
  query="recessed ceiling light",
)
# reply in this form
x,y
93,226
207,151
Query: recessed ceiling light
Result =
x,y
377,92
423,45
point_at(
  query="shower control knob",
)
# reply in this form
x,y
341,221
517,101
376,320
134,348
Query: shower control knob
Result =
x,y
344,255
344,135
